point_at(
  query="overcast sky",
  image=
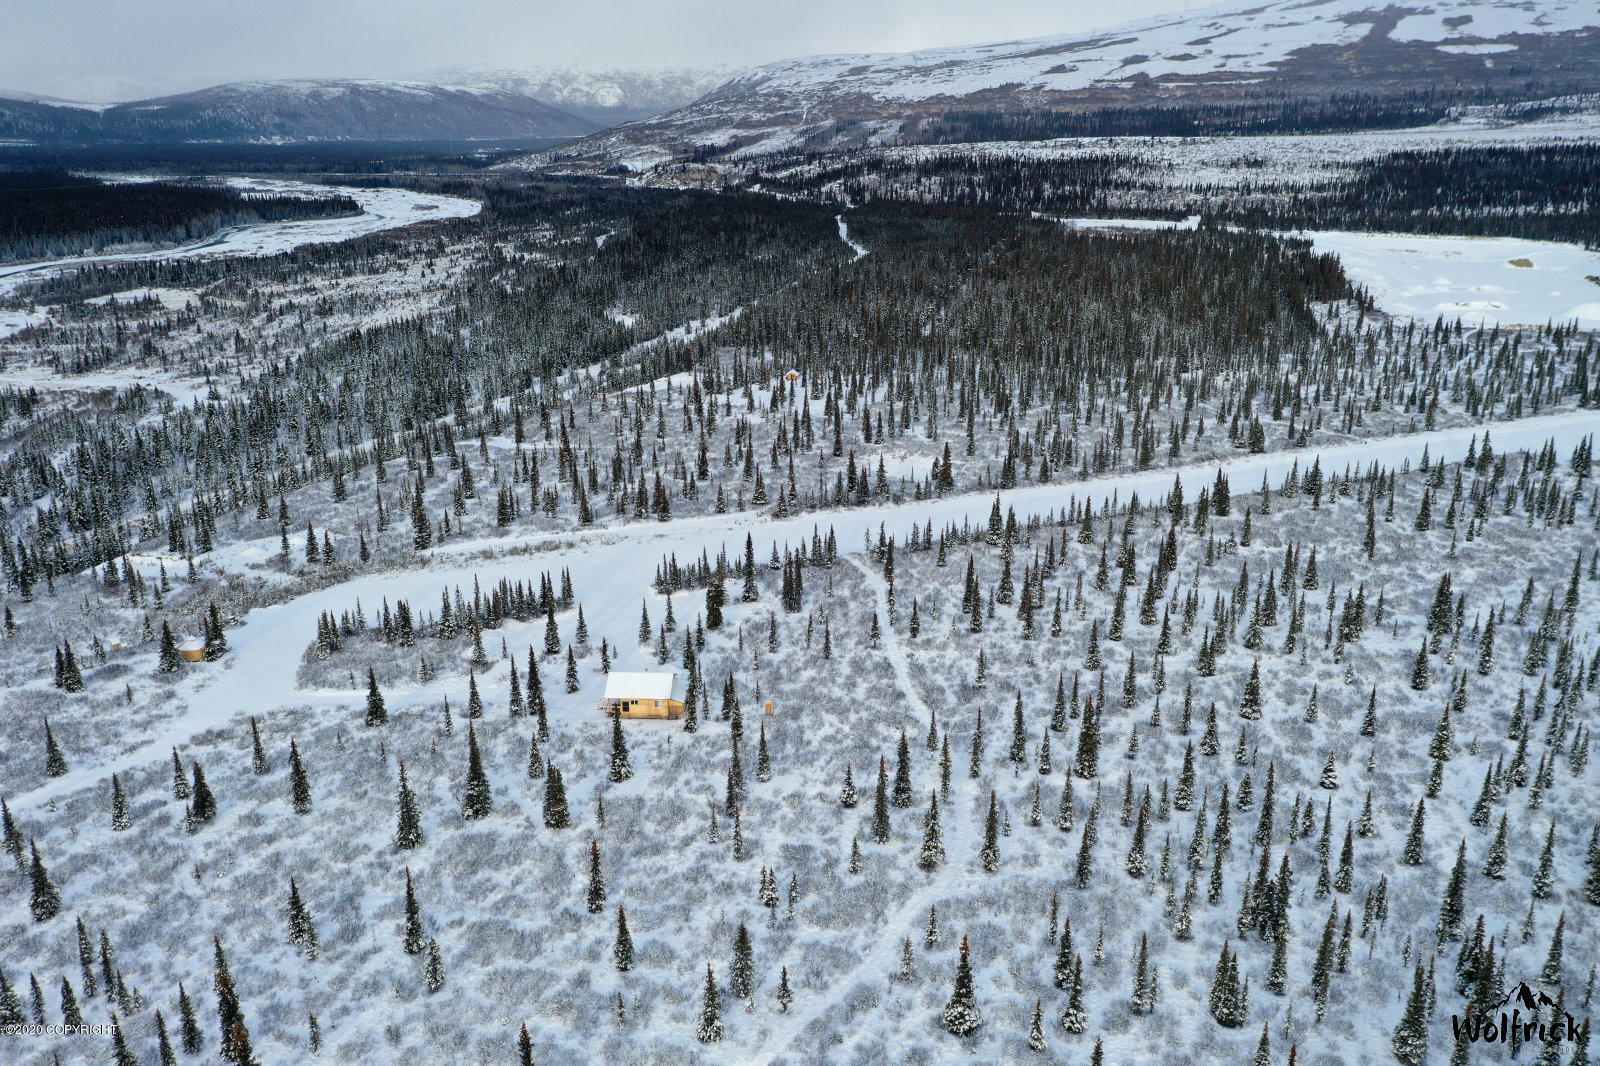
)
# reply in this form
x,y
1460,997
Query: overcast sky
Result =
x,y
118,49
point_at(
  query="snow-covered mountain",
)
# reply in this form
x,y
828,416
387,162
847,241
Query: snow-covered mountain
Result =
x,y
1236,52
296,111
606,97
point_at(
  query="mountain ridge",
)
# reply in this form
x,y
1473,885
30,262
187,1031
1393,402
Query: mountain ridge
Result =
x,y
1239,53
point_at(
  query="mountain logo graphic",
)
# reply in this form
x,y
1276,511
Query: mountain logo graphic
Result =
x,y
1525,997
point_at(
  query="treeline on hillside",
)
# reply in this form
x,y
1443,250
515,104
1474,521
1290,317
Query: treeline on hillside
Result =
x,y
1543,192
1338,113
46,213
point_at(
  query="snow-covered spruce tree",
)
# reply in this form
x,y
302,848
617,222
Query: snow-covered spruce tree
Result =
x,y
622,950
1412,855
235,1047
203,805
848,796
901,795
931,855
412,929
1410,1042
989,853
742,980
299,783
433,970
119,806
710,1030
880,804
621,766
961,1015
302,934
190,1038
595,898
46,901
408,832
1074,1017
377,714
55,763
556,815
1228,1005
476,798
169,661
1250,702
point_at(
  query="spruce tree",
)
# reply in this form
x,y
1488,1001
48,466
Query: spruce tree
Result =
x,y
408,833
1412,855
1410,1042
932,853
1074,1018
235,1035
742,981
302,933
621,767
412,928
476,797
433,970
622,950
556,815
190,1037
119,806
989,854
46,902
169,662
961,1014
55,763
376,713
299,783
710,1030
595,898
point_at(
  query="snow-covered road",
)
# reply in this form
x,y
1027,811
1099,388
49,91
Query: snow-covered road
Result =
x,y
612,569
381,209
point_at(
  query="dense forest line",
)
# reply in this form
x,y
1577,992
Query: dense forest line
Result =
x,y
1337,113
1539,192
48,213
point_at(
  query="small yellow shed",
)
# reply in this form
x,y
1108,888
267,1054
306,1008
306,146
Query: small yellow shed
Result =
x,y
652,694
193,650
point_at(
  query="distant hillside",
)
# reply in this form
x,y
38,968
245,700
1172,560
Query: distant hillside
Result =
x,y
295,111
1257,66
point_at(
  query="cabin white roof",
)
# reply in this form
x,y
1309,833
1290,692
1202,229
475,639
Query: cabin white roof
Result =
x,y
643,685
192,644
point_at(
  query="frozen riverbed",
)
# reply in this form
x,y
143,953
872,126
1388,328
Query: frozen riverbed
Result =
x,y
381,209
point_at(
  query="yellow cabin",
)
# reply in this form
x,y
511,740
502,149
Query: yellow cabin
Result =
x,y
193,650
656,694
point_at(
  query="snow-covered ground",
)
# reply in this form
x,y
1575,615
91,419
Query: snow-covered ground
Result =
x,y
1483,281
381,209
259,676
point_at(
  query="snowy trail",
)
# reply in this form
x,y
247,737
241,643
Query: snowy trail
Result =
x,y
612,568
844,235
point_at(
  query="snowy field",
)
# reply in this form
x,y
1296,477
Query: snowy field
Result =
x,y
1480,281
